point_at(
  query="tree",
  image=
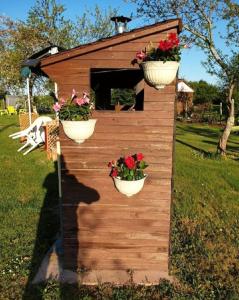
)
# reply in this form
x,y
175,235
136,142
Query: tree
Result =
x,y
205,92
95,25
46,17
200,19
44,26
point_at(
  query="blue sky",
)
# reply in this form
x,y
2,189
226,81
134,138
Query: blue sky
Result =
x,y
190,67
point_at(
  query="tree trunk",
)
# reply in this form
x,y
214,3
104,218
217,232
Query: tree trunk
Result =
x,y
222,143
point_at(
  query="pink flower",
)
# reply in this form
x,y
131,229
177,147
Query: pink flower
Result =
x,y
87,100
80,101
73,94
140,55
56,107
62,101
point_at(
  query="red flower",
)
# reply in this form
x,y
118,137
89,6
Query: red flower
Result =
x,y
172,36
129,161
114,173
170,43
139,156
166,45
111,164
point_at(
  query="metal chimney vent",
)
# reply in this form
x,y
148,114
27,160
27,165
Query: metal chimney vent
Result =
x,y
120,24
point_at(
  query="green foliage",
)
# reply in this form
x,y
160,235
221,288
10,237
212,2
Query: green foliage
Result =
x,y
203,22
76,109
210,115
95,24
123,96
129,167
45,25
205,92
43,103
73,112
47,18
167,50
156,54
200,19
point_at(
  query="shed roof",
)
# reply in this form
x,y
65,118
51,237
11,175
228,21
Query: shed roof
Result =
x,y
33,61
113,40
183,87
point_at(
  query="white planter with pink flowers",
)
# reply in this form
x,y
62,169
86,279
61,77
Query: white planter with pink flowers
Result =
x,y
129,188
79,131
159,73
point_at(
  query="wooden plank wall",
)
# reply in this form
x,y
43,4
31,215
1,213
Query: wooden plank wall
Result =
x,y
75,72
106,233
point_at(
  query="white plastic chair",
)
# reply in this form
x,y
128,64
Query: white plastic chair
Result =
x,y
35,134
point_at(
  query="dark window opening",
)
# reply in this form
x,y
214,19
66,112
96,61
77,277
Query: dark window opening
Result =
x,y
118,89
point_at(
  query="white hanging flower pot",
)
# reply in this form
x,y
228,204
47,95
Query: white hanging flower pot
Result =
x,y
159,73
79,131
129,188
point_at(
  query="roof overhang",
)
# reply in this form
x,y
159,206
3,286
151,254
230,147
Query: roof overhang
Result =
x,y
33,62
108,42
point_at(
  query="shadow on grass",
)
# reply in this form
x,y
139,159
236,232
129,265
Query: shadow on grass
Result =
x,y
3,128
234,149
47,230
205,153
205,132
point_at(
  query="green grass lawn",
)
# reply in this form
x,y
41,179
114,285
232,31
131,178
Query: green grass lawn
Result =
x,y
205,224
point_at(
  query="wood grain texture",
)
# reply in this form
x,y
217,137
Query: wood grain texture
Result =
x,y
105,233
156,32
103,229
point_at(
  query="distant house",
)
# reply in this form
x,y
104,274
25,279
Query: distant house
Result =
x,y
11,100
184,98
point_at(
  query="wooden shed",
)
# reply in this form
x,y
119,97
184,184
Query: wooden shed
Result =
x,y
108,237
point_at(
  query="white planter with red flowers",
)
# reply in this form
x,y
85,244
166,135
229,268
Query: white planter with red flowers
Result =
x,y
160,64
79,131
129,188
159,73
75,117
128,175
